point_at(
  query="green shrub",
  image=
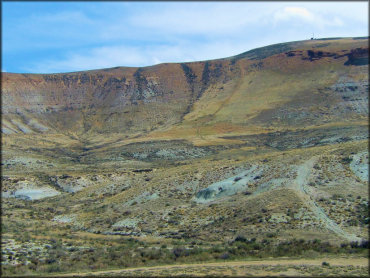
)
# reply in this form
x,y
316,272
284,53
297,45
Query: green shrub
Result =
x,y
325,264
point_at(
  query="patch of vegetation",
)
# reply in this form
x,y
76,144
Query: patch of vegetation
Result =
x,y
264,52
65,255
189,74
329,39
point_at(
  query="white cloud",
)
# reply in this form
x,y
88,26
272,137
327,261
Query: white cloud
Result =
x,y
297,15
288,13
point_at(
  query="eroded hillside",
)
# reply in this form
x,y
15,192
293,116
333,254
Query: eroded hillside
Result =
x,y
263,147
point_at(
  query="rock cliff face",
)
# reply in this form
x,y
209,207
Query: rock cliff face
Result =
x,y
112,100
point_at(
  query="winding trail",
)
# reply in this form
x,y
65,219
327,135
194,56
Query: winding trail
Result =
x,y
300,184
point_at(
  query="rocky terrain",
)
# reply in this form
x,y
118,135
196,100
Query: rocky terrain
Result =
x,y
256,155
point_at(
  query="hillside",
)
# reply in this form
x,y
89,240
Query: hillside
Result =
x,y
270,144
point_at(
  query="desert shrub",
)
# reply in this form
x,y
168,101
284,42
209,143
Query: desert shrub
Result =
x,y
256,246
224,256
354,244
50,261
270,235
325,264
347,160
240,238
352,222
364,244
180,252
32,266
152,254
53,268
217,249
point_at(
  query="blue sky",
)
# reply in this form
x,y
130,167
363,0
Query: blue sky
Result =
x,y
50,37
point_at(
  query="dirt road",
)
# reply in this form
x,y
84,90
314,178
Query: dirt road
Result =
x,y
183,268
301,184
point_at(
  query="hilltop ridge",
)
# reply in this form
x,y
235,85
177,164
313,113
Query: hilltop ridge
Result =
x,y
160,96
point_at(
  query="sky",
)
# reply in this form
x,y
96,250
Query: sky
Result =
x,y
53,37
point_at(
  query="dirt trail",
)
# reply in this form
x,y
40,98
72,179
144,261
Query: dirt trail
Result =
x,y
362,262
300,184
